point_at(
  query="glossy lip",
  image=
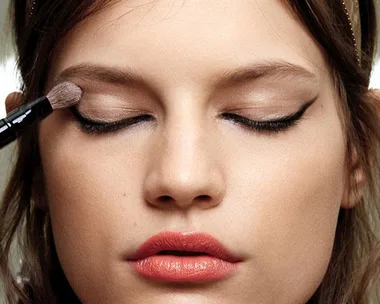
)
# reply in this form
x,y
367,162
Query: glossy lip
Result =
x,y
216,262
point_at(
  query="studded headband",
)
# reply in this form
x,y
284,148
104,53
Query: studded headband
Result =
x,y
352,11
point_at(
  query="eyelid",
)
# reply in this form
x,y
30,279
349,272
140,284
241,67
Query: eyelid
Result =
x,y
83,117
272,126
99,127
281,123
284,117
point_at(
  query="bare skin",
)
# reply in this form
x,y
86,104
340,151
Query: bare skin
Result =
x,y
272,198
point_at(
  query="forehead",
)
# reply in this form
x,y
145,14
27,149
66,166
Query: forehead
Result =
x,y
185,38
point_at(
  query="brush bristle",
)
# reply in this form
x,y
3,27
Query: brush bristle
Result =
x,y
64,95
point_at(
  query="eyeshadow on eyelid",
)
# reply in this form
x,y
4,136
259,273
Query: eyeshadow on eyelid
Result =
x,y
107,100
106,97
269,97
107,116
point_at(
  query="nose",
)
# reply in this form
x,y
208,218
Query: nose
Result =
x,y
185,171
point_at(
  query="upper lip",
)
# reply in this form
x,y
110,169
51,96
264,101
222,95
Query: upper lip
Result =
x,y
184,241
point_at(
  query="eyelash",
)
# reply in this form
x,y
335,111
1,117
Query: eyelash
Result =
x,y
270,126
90,126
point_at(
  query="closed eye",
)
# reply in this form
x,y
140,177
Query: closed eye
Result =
x,y
91,126
268,126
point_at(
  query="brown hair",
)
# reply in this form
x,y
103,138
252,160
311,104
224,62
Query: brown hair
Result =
x,y
353,273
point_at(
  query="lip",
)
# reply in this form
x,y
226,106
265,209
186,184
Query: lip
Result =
x,y
217,262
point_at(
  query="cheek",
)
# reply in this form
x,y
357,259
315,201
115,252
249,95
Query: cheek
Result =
x,y
94,197
292,192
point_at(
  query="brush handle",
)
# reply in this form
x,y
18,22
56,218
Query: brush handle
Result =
x,y
12,126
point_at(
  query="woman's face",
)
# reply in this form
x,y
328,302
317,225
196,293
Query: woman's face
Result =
x,y
270,193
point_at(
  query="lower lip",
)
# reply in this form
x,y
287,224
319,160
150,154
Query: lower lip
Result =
x,y
183,269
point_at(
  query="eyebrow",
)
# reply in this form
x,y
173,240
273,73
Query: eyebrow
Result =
x,y
268,69
277,69
100,73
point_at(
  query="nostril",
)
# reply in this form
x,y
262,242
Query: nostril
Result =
x,y
203,197
165,198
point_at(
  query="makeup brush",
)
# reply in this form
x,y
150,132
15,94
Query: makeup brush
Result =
x,y
63,95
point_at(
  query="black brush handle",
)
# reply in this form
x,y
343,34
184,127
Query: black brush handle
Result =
x,y
12,126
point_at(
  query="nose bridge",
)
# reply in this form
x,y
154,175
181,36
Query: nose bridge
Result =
x,y
184,152
184,170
